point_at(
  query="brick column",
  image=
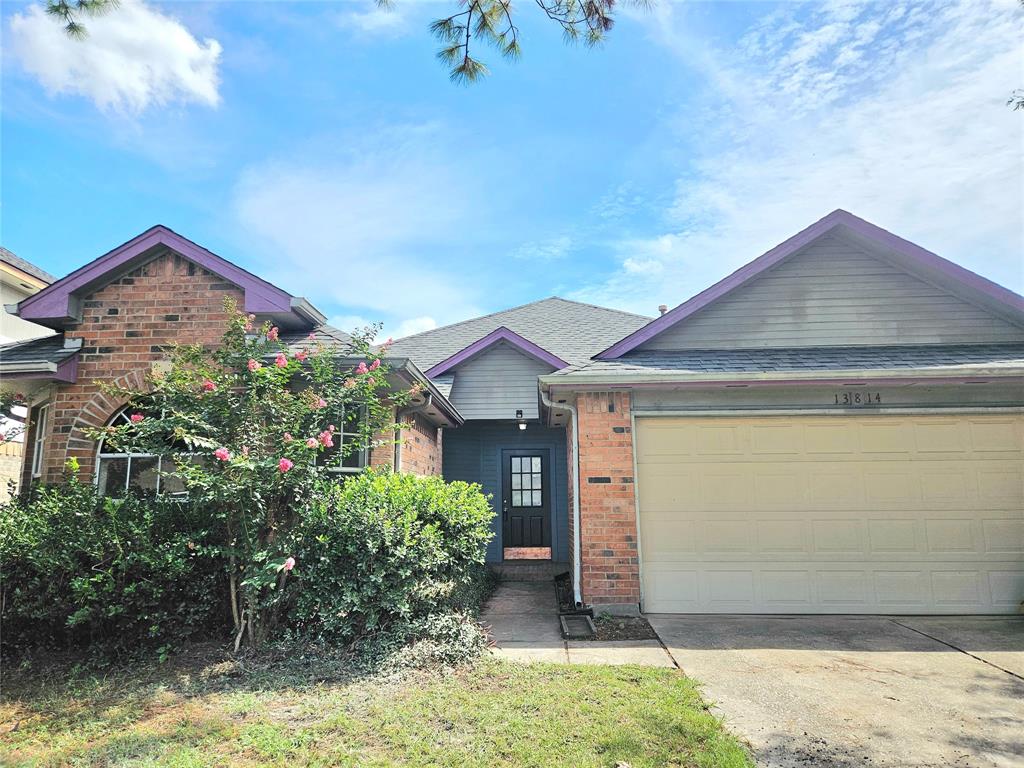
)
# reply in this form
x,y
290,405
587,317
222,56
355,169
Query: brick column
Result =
x,y
611,568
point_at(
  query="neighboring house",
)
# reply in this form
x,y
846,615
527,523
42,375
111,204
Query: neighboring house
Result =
x,y
835,428
19,279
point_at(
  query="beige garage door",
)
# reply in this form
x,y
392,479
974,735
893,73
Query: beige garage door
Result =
x,y
843,514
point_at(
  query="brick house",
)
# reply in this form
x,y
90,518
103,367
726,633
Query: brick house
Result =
x,y
835,428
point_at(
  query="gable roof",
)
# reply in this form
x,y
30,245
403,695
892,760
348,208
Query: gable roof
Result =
x,y
571,331
59,303
12,259
497,336
913,258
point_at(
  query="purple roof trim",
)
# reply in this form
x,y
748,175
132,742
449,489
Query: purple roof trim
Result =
x,y
53,303
67,372
766,261
497,335
757,383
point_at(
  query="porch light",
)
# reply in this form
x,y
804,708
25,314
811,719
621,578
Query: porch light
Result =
x,y
520,420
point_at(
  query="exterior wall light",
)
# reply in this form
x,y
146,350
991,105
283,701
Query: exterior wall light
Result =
x,y
520,420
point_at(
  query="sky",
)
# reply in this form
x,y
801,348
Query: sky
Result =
x,y
322,146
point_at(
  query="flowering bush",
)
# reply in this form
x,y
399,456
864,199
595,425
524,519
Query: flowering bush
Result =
x,y
251,443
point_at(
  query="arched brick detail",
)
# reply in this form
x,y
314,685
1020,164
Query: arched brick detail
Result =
x,y
97,412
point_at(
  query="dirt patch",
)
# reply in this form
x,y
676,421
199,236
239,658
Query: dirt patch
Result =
x,y
623,628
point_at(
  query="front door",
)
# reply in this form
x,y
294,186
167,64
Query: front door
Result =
x,y
526,504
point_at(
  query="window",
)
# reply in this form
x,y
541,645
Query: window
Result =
x,y
119,472
40,415
527,487
356,458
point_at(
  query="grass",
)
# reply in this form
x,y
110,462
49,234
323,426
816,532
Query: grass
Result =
x,y
201,710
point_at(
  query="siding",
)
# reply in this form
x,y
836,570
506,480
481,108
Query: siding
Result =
x,y
835,294
497,382
472,453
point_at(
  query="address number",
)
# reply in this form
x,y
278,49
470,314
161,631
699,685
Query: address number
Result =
x,y
858,398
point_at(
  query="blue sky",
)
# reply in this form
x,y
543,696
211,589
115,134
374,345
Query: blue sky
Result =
x,y
322,146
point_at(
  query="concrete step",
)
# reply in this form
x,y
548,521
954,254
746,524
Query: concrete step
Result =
x,y
528,570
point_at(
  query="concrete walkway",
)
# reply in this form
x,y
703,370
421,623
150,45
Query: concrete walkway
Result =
x,y
522,617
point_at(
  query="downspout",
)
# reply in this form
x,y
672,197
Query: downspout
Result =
x,y
577,567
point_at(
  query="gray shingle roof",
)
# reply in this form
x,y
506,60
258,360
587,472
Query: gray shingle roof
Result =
x,y
25,266
48,349
572,330
332,338
806,359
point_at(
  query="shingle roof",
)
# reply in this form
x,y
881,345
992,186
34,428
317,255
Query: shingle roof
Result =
x,y
48,349
332,338
806,359
25,266
572,330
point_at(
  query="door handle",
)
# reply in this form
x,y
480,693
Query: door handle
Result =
x,y
504,509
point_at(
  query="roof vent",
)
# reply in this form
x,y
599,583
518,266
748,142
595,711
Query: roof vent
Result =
x,y
662,309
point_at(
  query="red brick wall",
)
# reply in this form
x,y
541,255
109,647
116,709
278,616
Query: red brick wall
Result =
x,y
420,449
125,325
611,568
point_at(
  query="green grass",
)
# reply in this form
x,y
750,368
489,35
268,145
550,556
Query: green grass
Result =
x,y
191,712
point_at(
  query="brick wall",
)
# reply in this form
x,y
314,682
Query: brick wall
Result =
x,y
611,570
125,327
420,449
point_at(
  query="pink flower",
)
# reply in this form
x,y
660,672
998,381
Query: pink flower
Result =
x,y
301,355
245,450
280,361
289,564
136,418
312,336
349,383
389,342
330,427
249,322
3,437
254,365
311,442
371,381
361,368
272,334
19,396
208,386
321,403
375,365
325,438
222,454
285,464
287,437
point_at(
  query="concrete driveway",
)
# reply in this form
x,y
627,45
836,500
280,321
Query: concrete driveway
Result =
x,y
861,691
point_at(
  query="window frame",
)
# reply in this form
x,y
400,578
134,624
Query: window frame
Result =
x,y
363,453
101,455
41,419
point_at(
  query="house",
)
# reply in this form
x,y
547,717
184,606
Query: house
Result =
x,y
835,428
19,279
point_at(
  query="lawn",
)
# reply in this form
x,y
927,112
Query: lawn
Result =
x,y
196,711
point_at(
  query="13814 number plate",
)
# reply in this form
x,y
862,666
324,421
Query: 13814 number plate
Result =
x,y
858,398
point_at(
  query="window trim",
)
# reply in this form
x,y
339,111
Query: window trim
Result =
x,y
101,455
363,453
41,417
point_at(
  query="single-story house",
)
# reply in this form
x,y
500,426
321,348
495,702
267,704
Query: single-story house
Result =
x,y
837,427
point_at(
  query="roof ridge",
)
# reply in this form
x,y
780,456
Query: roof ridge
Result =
x,y
513,309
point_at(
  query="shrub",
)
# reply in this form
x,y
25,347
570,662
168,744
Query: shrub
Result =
x,y
385,550
118,575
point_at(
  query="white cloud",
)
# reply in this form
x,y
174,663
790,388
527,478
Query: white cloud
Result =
x,y
413,325
545,250
375,21
911,133
366,225
132,58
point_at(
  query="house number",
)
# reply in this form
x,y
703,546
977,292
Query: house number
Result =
x,y
858,398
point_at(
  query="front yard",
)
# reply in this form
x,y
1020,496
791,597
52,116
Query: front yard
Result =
x,y
196,711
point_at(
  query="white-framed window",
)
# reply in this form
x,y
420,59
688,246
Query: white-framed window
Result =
x,y
118,472
347,427
41,419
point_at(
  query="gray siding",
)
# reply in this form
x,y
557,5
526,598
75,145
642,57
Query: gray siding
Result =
x,y
496,383
835,294
472,453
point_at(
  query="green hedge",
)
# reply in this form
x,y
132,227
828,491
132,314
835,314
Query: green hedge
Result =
x,y
386,548
117,575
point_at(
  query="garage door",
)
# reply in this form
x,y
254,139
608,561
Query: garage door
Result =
x,y
874,514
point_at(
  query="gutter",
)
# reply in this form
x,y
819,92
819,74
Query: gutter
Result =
x,y
577,567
